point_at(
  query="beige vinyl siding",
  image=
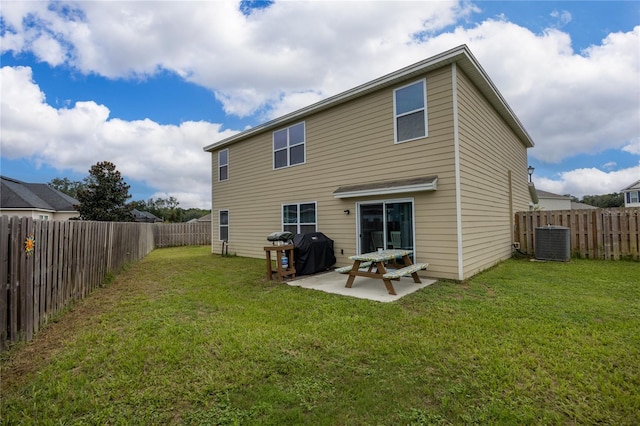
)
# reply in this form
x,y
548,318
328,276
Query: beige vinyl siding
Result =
x,y
489,153
348,144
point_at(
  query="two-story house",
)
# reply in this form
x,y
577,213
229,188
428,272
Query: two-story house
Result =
x,y
632,195
429,158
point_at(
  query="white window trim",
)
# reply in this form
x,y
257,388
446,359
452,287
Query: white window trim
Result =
x,y
221,165
395,116
220,225
282,224
387,201
288,148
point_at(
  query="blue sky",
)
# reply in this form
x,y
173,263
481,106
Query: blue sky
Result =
x,y
148,87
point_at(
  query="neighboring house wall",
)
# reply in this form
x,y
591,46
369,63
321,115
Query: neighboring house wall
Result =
x,y
554,203
629,199
549,201
39,215
632,195
462,227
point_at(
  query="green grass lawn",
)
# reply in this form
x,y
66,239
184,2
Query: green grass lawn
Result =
x,y
186,337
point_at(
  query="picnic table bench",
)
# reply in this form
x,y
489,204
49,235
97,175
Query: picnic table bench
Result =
x,y
375,264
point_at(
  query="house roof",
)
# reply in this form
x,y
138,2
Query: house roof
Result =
x,y
632,187
460,55
581,206
15,194
551,195
145,216
574,205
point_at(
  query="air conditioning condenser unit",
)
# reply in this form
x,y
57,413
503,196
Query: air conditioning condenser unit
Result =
x,y
553,243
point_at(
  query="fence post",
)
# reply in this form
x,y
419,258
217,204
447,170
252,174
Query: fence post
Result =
x,y
69,260
5,246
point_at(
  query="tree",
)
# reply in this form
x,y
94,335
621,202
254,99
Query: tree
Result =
x,y
605,201
167,209
64,185
194,213
105,195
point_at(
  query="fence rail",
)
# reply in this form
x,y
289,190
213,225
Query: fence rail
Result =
x,y
611,234
45,265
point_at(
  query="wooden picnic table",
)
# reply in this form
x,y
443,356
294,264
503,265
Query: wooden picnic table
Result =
x,y
377,269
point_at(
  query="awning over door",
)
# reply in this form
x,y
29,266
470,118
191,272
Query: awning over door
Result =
x,y
426,183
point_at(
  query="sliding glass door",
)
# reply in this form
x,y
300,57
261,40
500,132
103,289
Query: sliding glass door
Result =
x,y
386,224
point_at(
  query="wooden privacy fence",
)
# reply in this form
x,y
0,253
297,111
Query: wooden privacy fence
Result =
x,y
595,233
182,234
45,265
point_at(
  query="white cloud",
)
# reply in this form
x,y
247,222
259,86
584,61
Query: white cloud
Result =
x,y
591,181
162,156
290,46
292,54
562,17
570,103
633,147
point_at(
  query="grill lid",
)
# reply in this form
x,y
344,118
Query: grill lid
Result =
x,y
280,236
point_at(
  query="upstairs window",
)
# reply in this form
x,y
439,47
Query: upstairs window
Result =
x,y
410,109
288,146
299,218
223,164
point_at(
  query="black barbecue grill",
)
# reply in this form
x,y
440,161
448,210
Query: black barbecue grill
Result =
x,y
313,252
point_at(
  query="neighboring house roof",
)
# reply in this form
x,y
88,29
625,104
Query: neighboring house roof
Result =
x,y
551,195
205,218
15,194
141,216
633,187
460,55
581,206
545,195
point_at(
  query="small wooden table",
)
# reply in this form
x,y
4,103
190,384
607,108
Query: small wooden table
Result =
x,y
281,273
378,259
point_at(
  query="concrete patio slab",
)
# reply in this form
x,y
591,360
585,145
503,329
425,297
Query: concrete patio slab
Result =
x,y
362,288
